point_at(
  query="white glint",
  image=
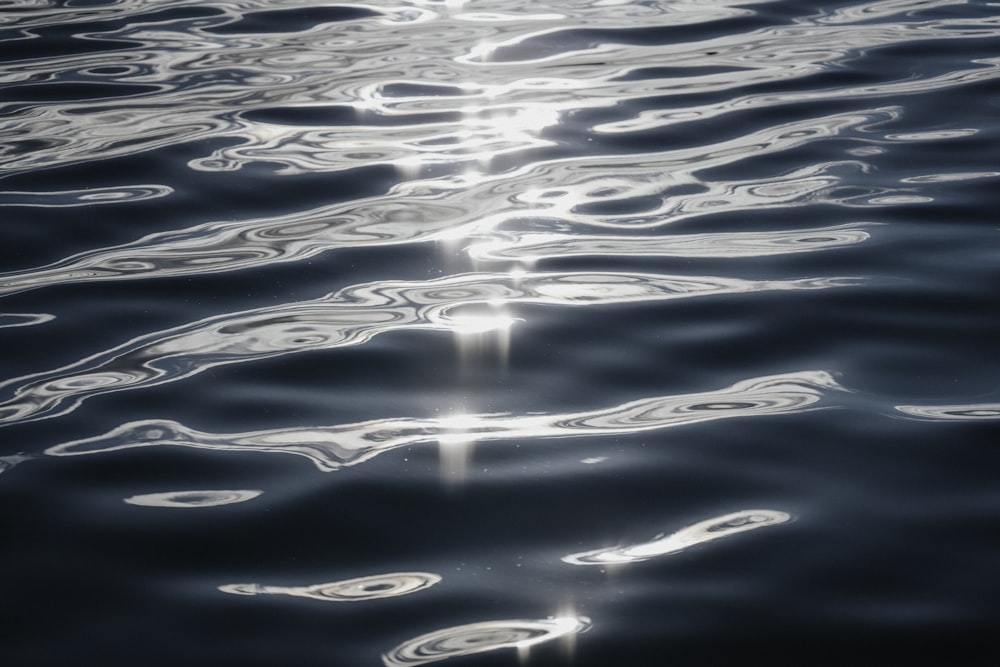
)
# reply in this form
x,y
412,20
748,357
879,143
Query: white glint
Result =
x,y
461,423
409,166
482,52
454,455
455,447
518,273
527,120
523,653
467,325
568,617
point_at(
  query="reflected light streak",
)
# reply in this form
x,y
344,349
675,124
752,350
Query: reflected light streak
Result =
x,y
88,197
455,447
194,499
8,462
470,325
536,246
480,637
488,132
698,533
482,331
11,320
333,447
958,412
374,587
319,66
349,317
475,204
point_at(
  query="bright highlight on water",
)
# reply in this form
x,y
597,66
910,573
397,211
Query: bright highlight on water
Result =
x,y
372,587
535,280
479,637
698,533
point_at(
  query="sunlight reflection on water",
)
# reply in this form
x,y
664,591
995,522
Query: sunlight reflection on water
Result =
x,y
640,200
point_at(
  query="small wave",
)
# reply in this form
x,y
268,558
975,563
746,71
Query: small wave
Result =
x,y
11,320
193,499
595,192
334,447
88,197
698,533
373,587
480,637
349,317
536,246
8,462
968,412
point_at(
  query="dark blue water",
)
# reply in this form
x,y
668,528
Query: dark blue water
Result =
x,y
585,333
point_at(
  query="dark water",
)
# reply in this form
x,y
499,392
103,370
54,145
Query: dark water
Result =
x,y
586,332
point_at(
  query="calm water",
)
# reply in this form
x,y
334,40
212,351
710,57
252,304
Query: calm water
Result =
x,y
585,332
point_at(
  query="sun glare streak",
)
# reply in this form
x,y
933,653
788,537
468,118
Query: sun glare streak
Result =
x,y
454,456
482,329
455,447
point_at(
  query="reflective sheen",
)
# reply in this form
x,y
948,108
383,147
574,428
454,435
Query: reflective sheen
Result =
x,y
9,320
522,273
698,533
193,499
350,590
350,317
334,447
972,411
479,637
8,462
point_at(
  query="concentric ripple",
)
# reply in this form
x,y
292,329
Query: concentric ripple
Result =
x,y
698,533
480,637
373,587
194,499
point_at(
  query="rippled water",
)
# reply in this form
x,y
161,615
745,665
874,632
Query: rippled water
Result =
x,y
599,331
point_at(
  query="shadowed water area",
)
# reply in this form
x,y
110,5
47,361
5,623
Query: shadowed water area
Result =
x,y
583,332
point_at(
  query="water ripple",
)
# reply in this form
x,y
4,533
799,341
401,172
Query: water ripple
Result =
x,y
193,499
373,587
10,320
333,447
176,69
541,156
698,533
88,197
968,412
572,193
479,637
349,317
535,246
8,462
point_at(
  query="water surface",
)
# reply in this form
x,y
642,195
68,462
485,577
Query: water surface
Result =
x,y
503,333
